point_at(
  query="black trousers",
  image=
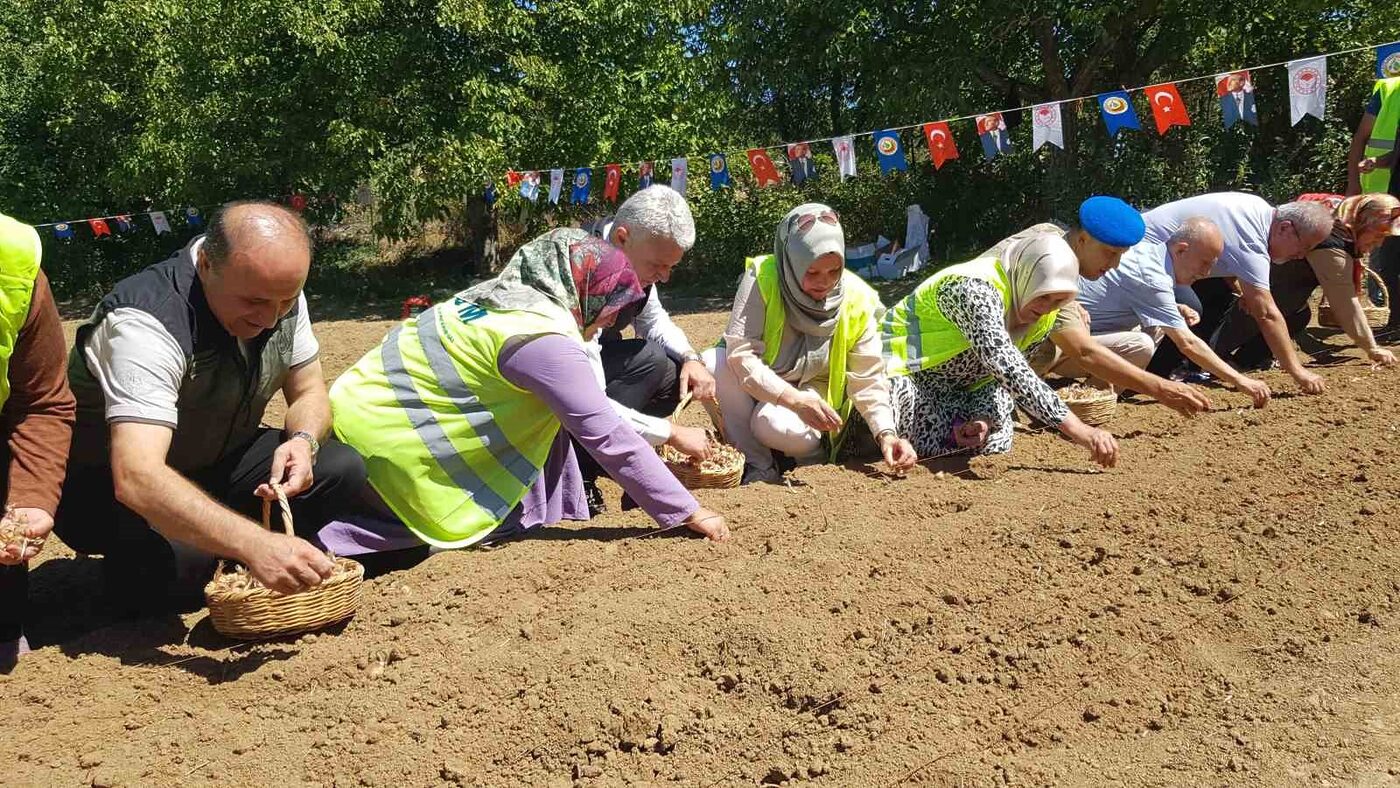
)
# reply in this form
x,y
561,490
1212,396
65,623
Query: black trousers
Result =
x,y
144,569
1240,341
1216,301
640,375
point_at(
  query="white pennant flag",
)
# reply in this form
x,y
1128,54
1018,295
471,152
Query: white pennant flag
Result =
x,y
845,156
556,182
1047,126
1307,88
678,172
159,222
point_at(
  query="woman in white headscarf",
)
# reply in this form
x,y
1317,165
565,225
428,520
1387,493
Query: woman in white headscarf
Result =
x,y
956,349
802,349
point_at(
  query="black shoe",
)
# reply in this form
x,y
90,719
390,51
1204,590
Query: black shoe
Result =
x,y
596,505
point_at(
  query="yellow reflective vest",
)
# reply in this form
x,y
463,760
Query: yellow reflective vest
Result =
x,y
450,444
916,335
20,252
1382,140
859,305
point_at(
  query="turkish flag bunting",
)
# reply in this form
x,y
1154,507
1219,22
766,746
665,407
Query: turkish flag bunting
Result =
x,y
940,143
763,170
1167,107
611,181
513,178
99,228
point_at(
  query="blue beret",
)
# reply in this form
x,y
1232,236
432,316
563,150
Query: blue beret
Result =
x,y
1111,221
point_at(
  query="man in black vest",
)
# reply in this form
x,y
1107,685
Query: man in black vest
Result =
x,y
172,375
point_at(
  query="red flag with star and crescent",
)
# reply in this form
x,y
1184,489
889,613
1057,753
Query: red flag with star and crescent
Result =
x,y
513,178
763,170
940,143
611,181
99,227
1167,107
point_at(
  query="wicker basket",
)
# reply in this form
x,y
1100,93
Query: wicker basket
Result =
x,y
725,468
1376,314
1092,406
243,609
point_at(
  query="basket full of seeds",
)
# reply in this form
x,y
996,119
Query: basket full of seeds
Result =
x,y
1093,406
241,607
723,468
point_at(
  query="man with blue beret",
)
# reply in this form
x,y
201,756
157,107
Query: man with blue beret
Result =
x,y
1107,228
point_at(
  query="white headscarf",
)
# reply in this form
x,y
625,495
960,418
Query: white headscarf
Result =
x,y
806,347
1037,266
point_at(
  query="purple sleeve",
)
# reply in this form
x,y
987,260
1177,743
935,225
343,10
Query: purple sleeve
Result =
x,y
557,371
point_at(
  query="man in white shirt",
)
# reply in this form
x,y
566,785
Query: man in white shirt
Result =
x,y
1255,235
1132,307
172,375
646,377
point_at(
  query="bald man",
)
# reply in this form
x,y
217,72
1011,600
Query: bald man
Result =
x,y
1133,307
172,375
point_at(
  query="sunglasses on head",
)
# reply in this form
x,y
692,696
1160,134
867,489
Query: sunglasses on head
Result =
x,y
806,220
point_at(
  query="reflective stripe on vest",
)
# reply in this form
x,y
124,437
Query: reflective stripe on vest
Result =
x,y
20,252
915,335
1382,141
450,444
859,305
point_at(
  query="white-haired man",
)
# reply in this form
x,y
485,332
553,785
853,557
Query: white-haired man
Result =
x,y
646,376
1255,234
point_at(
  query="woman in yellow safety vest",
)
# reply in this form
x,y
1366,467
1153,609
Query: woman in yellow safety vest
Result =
x,y
458,413
957,349
802,349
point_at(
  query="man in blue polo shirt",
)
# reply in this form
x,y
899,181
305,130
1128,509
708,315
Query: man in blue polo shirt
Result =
x,y
1135,304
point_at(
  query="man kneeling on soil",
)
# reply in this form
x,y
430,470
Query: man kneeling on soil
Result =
x,y
1133,306
172,375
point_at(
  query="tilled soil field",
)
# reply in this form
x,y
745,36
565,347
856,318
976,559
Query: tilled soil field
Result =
x,y
1218,610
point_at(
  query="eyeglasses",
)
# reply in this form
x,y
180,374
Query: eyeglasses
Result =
x,y
806,220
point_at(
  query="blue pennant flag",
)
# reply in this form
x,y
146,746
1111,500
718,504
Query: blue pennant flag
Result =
x,y
489,193
583,179
193,218
719,171
1118,112
1388,61
63,230
124,224
890,151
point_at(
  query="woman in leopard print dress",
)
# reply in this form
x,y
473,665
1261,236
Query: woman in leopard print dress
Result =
x,y
942,410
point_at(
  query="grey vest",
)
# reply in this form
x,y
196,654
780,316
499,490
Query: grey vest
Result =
x,y
223,394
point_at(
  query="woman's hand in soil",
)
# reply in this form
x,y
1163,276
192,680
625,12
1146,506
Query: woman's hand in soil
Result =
x,y
1102,446
899,453
1310,382
691,441
285,563
813,410
292,468
709,524
33,527
972,434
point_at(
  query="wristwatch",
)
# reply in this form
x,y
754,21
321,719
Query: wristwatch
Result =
x,y
309,438
691,356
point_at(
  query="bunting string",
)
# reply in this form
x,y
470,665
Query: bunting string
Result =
x,y
1307,79
740,152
